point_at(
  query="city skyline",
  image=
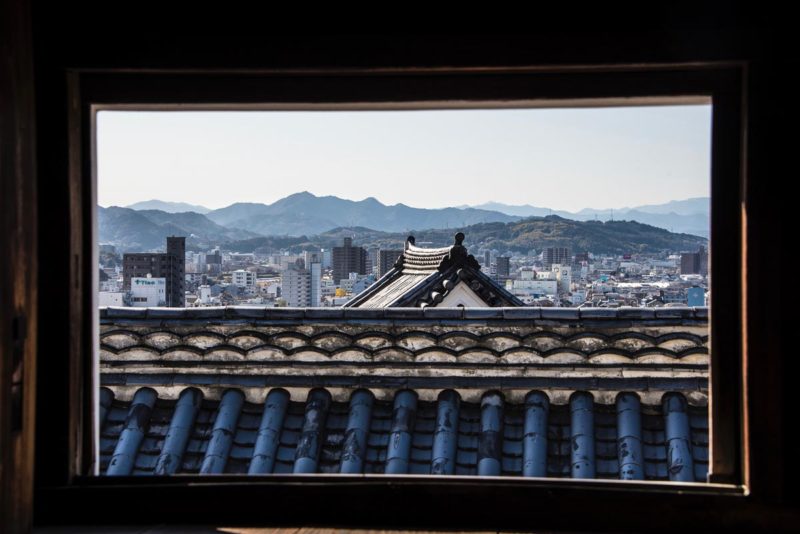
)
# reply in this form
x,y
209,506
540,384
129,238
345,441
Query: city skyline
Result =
x,y
563,159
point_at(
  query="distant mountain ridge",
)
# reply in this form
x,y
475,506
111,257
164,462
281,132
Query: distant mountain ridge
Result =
x,y
304,214
169,207
689,216
146,230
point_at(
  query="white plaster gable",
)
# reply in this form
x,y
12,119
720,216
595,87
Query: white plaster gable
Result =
x,y
462,295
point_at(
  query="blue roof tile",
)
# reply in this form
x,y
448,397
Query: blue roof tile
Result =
x,y
239,454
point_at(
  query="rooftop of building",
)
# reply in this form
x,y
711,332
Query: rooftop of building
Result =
x,y
428,277
331,381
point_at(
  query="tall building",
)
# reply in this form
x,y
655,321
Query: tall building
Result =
x,y
327,258
315,272
502,270
296,285
695,262
199,262
214,262
301,286
169,265
487,260
214,258
373,256
555,256
348,259
386,260
311,257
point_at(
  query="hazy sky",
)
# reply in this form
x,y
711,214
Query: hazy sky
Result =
x,y
556,158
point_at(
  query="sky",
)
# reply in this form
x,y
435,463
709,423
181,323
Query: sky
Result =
x,y
566,159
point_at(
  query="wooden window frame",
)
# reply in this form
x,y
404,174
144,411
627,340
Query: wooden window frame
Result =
x,y
68,449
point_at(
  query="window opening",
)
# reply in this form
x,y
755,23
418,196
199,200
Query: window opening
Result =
x,y
426,301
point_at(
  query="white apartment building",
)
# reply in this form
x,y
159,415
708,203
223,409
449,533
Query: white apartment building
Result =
x,y
302,287
148,291
242,278
204,294
532,288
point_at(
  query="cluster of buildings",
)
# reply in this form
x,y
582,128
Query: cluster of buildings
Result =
x,y
558,278
147,279
180,278
552,277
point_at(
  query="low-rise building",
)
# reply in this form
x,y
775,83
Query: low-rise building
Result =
x,y
111,298
242,278
148,292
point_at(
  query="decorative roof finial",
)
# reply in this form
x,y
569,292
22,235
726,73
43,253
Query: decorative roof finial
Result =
x,y
409,241
459,239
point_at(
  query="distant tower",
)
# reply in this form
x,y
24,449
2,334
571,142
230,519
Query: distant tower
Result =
x,y
503,268
387,259
695,262
348,259
175,275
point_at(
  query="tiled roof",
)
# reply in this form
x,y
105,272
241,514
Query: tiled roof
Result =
x,y
558,350
424,277
314,431
225,389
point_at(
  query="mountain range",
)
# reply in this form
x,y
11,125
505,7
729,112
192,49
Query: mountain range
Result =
x,y
304,214
140,231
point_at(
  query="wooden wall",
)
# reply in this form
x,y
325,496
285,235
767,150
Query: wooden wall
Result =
x,y
17,269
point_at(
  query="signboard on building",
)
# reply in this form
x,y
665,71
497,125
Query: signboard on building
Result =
x,y
148,292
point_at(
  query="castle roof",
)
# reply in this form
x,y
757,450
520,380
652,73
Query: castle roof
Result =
x,y
424,277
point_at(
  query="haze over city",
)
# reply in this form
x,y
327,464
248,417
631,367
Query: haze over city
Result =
x,y
566,159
